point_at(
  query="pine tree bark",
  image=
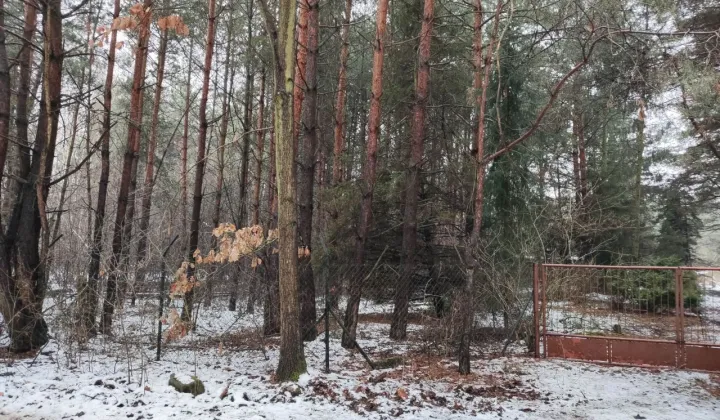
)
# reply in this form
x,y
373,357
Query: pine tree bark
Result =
x,y
88,292
247,122
339,129
301,64
306,181
149,183
260,150
184,149
4,94
282,34
125,206
186,315
22,274
253,286
219,181
68,161
271,305
398,326
639,165
91,26
244,164
22,161
481,82
368,182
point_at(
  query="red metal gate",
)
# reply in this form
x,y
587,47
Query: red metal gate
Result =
x,y
628,315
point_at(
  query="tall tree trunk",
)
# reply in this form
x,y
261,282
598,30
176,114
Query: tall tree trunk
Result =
x,y
480,85
368,182
227,77
301,64
23,102
260,150
398,327
68,161
4,94
27,235
142,254
88,136
306,181
579,153
200,163
292,356
253,285
88,292
184,149
125,205
74,128
576,171
247,121
271,305
244,164
339,144
638,196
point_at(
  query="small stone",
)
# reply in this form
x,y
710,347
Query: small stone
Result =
x,y
99,382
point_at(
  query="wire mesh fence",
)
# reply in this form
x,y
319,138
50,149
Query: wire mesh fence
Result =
x,y
675,312
235,307
668,316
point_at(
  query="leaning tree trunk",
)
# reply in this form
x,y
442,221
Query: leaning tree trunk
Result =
x,y
88,292
368,182
150,168
398,327
292,356
200,163
308,312
339,131
126,201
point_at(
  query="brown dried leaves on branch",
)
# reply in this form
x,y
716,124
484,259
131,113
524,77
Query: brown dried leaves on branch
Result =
x,y
137,14
173,23
232,244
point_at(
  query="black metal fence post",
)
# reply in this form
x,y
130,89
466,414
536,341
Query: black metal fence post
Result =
x,y
161,294
327,324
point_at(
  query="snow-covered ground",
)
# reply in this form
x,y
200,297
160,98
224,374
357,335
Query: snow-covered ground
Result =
x,y
118,377
104,382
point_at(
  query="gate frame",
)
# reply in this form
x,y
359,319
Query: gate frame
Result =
x,y
706,355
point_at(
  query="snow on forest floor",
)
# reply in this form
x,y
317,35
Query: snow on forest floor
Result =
x,y
119,378
98,386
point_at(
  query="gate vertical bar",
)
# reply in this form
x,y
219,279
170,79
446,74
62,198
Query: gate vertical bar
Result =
x,y
536,309
680,317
